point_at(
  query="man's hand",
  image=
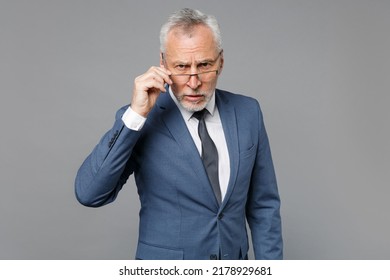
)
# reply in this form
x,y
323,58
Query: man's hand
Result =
x,y
147,88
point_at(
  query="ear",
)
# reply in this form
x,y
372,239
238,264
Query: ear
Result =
x,y
162,64
221,63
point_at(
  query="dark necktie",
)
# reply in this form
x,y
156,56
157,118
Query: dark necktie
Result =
x,y
209,154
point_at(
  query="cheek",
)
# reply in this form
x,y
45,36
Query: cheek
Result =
x,y
176,88
208,86
204,87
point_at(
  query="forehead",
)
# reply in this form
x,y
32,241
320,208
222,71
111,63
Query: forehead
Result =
x,y
196,42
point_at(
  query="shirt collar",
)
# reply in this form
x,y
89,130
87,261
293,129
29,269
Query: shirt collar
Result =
x,y
187,114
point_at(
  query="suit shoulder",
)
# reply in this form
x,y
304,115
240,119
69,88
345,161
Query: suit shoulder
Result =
x,y
239,100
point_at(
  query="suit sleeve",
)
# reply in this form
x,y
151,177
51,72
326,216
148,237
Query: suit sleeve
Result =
x,y
263,205
107,168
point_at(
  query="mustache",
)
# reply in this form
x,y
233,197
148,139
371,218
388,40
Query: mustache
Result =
x,y
197,93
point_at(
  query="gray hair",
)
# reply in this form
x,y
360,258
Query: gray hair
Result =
x,y
187,19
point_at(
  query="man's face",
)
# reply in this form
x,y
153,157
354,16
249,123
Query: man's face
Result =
x,y
192,52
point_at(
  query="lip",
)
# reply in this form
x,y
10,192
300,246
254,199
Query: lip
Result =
x,y
194,98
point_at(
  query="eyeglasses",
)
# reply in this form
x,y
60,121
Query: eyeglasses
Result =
x,y
203,75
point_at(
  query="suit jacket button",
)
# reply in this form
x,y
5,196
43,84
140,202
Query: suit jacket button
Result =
x,y
220,216
213,257
111,142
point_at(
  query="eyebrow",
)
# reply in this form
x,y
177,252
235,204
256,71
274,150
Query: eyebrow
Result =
x,y
208,60
205,60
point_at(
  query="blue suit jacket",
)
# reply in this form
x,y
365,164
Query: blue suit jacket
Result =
x,y
180,217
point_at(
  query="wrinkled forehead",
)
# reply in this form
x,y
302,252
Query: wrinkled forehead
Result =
x,y
194,39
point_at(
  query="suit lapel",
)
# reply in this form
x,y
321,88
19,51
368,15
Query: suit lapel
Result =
x,y
229,124
174,122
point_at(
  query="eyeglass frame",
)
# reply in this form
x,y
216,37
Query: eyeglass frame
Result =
x,y
193,74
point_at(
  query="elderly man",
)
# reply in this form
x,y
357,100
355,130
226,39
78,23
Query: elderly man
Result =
x,y
200,156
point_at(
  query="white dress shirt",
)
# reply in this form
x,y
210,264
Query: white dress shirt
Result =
x,y
134,121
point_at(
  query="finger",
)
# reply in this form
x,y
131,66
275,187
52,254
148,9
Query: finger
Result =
x,y
151,81
161,76
164,73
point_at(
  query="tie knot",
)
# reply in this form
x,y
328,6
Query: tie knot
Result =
x,y
200,114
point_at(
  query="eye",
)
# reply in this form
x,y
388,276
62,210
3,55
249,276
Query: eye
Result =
x,y
181,67
204,65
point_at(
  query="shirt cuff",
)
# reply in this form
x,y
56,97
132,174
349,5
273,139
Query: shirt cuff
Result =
x,y
133,120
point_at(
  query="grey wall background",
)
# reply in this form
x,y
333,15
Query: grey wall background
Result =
x,y
320,69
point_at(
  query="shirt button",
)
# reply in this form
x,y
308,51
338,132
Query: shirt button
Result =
x,y
213,257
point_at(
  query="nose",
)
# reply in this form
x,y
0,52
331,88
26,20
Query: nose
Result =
x,y
194,81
